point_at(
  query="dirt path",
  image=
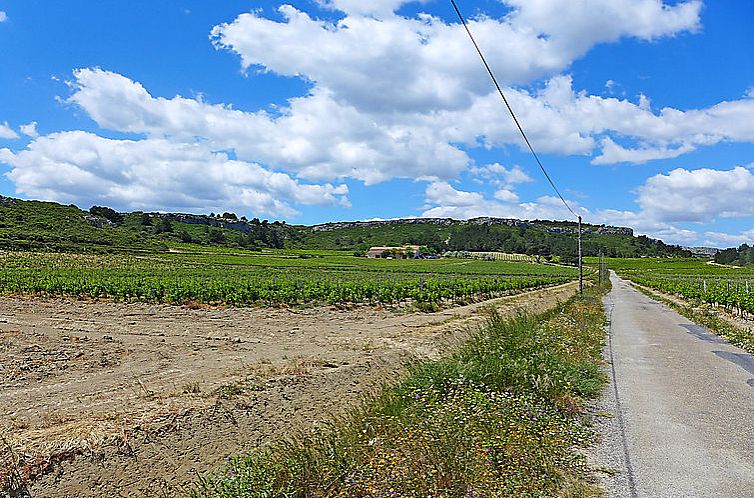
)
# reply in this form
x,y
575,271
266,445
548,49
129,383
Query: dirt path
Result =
x,y
136,400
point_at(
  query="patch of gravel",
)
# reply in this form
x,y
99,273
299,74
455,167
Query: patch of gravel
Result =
x,y
608,456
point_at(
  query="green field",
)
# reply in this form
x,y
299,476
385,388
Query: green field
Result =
x,y
271,277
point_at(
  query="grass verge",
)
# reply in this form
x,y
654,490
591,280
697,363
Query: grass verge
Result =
x,y
502,417
707,316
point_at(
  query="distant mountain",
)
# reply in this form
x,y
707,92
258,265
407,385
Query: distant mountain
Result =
x,y
36,225
550,226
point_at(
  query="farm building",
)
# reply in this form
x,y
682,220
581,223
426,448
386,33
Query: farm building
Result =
x,y
404,252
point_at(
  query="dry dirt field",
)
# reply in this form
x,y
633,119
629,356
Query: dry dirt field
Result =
x,y
107,399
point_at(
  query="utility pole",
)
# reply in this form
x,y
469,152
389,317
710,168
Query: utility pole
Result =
x,y
521,130
600,270
581,266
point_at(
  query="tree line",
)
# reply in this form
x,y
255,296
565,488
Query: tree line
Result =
x,y
742,255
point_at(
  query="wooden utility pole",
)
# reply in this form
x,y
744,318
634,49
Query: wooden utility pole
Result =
x,y
599,274
581,266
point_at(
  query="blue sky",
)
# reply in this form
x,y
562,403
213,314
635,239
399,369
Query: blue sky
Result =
x,y
328,110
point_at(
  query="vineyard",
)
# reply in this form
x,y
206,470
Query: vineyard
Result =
x,y
729,287
269,278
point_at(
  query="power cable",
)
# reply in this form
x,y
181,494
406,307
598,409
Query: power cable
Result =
x,y
510,109
523,134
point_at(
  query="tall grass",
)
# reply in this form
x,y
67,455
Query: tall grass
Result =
x,y
499,418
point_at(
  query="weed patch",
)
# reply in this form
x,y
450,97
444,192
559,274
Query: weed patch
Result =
x,y
502,417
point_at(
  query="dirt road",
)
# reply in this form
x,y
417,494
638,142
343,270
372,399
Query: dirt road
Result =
x,y
683,401
107,399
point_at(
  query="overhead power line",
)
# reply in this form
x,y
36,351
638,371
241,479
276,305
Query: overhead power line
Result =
x,y
510,109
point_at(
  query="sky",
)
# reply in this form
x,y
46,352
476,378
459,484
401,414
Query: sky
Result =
x,y
311,111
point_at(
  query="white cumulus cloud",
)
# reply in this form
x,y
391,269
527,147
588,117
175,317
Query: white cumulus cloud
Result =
x,y
30,130
613,153
498,174
155,173
644,224
360,7
316,137
506,195
698,195
689,196
322,139
725,240
424,63
7,132
444,201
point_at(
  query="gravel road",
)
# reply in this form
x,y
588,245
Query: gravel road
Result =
x,y
682,401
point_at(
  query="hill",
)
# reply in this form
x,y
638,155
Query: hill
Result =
x,y
36,225
540,237
49,226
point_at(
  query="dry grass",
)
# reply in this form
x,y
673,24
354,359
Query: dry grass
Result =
x,y
28,453
257,375
31,448
293,367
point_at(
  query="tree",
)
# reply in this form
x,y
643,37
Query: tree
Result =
x,y
107,213
163,226
216,236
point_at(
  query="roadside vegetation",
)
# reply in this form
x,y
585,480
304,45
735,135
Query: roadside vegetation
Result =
x,y
501,417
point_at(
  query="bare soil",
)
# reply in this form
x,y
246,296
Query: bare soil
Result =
x,y
108,399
